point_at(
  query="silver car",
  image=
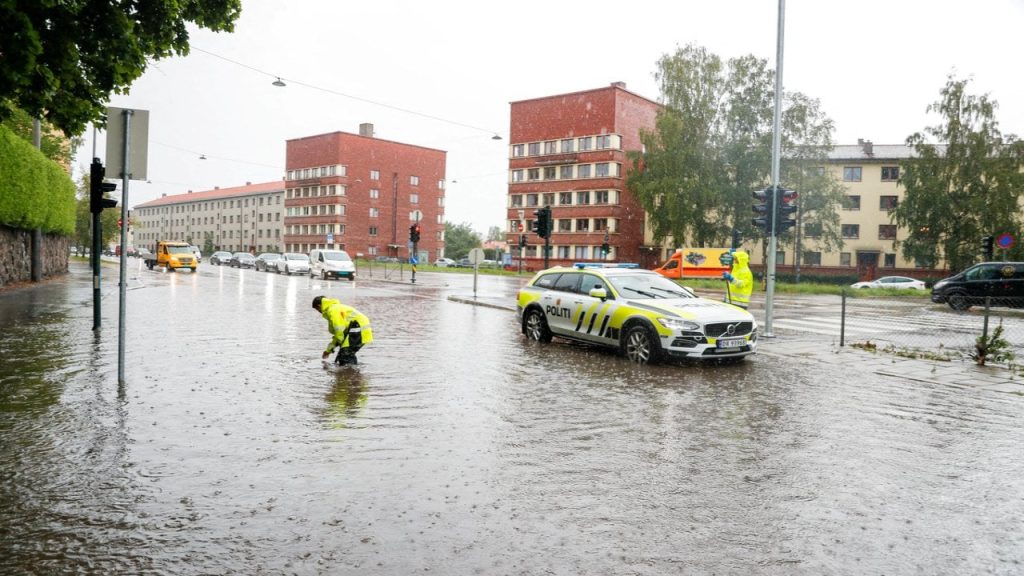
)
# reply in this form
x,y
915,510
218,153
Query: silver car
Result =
x,y
267,261
291,263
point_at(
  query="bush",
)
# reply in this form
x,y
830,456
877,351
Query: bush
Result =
x,y
35,192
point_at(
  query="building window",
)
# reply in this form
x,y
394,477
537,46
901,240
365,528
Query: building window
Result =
x,y
517,150
844,258
291,175
565,198
583,197
812,258
585,143
531,200
600,224
373,230
852,202
565,225
887,203
583,225
886,231
567,145
563,252
600,196
549,173
374,193
551,147
414,180
517,175
812,230
889,261
517,200
374,212
374,174
414,198
549,199
583,171
601,170
851,173
565,172
533,174
582,252
534,148
890,173
851,231
604,141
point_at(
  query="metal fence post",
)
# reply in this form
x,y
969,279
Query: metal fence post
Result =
x,y
842,322
984,326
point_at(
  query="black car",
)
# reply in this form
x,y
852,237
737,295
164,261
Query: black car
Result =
x,y
1001,282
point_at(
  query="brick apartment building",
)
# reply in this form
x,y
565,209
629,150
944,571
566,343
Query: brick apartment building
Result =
x,y
569,152
361,194
238,219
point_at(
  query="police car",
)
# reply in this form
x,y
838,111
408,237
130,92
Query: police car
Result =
x,y
646,315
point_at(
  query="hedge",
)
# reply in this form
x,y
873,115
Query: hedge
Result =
x,y
35,192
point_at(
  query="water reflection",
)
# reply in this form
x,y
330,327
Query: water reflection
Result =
x,y
347,397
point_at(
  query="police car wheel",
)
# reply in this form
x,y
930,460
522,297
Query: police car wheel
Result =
x,y
958,301
536,326
640,345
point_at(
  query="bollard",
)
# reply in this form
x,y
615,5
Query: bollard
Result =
x,y
842,322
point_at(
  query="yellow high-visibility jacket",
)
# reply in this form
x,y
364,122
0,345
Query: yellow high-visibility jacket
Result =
x,y
346,324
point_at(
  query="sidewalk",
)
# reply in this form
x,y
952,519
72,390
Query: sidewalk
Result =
x,y
955,373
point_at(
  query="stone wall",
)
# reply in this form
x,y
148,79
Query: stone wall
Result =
x,y
16,255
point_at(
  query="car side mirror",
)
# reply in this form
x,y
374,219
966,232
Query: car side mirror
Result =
x,y
599,293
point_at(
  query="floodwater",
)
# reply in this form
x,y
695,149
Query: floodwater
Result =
x,y
458,447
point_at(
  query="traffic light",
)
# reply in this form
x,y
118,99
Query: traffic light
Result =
x,y
97,188
543,224
986,247
605,249
522,240
737,239
785,218
414,233
763,209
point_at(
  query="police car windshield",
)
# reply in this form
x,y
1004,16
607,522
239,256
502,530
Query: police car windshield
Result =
x,y
648,286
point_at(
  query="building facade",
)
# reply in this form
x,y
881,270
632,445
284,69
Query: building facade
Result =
x,y
241,219
568,152
361,194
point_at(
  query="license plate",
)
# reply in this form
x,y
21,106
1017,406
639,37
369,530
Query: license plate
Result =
x,y
731,342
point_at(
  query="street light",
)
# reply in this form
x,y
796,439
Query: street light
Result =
x,y
279,83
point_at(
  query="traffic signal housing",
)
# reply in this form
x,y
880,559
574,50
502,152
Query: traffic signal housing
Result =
x,y
522,240
97,188
543,225
785,205
986,247
762,209
414,233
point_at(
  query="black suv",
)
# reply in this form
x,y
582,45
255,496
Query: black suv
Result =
x,y
1003,282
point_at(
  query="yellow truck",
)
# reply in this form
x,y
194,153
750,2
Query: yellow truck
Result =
x,y
173,256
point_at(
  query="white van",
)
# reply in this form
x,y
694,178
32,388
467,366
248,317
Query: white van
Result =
x,y
327,263
199,255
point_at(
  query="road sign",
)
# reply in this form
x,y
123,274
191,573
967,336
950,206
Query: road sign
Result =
x,y
476,256
1005,241
521,228
330,238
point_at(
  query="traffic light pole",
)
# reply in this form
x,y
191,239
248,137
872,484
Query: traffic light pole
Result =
x,y
97,237
776,151
414,260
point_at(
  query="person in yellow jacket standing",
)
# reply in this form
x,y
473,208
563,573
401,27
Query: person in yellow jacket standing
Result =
x,y
741,280
349,328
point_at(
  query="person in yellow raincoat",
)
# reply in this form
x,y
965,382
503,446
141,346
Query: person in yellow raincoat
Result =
x,y
349,328
741,280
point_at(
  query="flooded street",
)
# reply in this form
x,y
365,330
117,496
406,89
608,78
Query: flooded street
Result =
x,y
459,447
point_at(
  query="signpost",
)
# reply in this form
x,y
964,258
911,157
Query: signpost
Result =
x,y
476,256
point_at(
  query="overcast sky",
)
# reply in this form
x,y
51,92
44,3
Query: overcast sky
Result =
x,y
442,74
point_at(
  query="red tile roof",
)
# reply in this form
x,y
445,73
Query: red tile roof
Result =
x,y
216,193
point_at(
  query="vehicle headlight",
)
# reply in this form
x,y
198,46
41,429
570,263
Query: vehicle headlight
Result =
x,y
938,285
678,324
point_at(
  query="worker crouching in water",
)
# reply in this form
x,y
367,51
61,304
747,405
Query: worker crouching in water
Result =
x,y
349,328
741,280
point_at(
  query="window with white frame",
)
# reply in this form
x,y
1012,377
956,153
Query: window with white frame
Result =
x,y
583,197
374,212
585,143
414,198
565,172
534,148
564,225
374,193
583,225
549,172
582,252
517,175
414,180
604,141
563,251
601,169
600,196
565,198
517,150
549,199
374,174
567,145
583,171
533,174
517,200
373,230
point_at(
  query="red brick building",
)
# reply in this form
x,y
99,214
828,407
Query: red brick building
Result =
x,y
569,152
361,194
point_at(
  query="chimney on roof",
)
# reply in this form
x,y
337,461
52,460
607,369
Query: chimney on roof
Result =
x,y
619,84
868,147
216,187
248,183
164,195
366,129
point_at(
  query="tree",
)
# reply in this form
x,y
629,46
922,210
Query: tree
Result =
x,y
966,186
62,60
459,239
495,234
711,146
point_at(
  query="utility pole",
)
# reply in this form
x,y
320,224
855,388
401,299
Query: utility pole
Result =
x,y
776,151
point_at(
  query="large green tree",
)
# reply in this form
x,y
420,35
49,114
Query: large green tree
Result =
x,y
963,182
459,239
711,146
61,59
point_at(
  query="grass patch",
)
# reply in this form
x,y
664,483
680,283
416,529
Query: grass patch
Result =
x,y
813,288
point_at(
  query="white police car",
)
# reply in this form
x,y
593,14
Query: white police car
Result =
x,y
642,313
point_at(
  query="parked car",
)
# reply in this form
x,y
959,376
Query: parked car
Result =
x,y
444,263
387,259
900,282
266,261
464,263
291,263
328,263
198,253
221,258
243,260
645,315
1001,282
